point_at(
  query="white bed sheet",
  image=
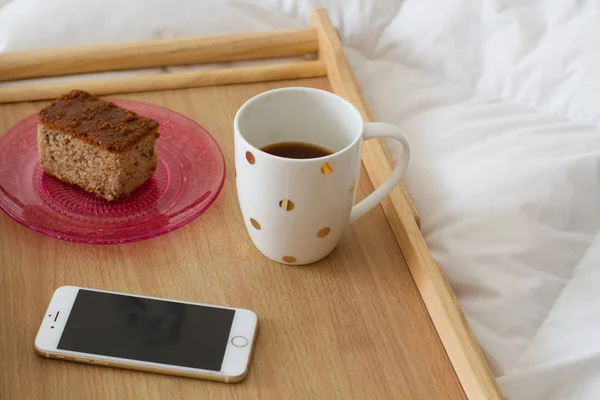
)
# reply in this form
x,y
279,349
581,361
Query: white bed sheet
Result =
x,y
500,101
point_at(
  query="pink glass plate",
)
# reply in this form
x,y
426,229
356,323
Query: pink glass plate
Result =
x,y
189,177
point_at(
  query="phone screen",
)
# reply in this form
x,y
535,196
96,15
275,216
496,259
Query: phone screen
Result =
x,y
151,330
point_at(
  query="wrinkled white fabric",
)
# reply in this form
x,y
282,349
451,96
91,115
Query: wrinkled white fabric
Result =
x,y
500,101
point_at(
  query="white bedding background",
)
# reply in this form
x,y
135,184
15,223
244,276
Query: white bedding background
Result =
x,y
501,102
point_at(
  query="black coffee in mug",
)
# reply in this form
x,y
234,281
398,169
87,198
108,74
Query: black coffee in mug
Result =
x,y
296,206
296,150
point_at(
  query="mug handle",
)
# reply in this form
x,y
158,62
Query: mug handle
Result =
x,y
374,130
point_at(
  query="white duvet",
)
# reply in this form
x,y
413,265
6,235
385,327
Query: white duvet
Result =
x,y
501,101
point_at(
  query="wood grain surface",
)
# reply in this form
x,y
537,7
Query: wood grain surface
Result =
x,y
350,326
178,80
157,53
463,350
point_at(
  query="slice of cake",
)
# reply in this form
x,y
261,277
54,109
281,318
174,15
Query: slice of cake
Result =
x,y
96,145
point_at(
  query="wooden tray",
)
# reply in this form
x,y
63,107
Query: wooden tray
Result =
x,y
375,319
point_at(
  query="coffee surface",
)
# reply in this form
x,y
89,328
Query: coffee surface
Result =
x,y
297,150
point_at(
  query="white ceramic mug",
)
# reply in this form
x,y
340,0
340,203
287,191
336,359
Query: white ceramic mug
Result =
x,y
296,210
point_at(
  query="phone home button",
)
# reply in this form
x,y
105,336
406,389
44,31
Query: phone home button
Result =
x,y
239,341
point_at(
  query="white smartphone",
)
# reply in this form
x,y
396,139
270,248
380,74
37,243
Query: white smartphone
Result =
x,y
148,334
